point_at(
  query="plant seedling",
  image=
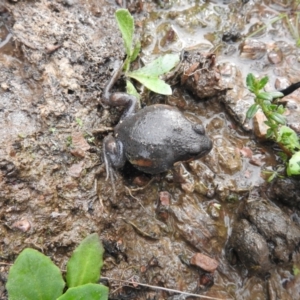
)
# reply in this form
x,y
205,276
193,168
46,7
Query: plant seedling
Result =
x,y
286,137
149,74
35,277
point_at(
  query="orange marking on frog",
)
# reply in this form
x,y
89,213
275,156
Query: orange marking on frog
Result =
x,y
142,162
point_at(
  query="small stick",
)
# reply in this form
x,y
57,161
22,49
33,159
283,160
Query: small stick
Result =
x,y
163,289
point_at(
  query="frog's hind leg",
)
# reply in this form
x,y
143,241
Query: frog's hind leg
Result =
x,y
130,102
114,157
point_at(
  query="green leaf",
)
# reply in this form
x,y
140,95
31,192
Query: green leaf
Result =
x,y
153,83
250,81
270,133
269,123
289,138
130,89
34,276
276,94
252,111
283,156
294,165
296,270
267,103
88,291
280,109
85,263
262,82
126,26
265,96
136,51
79,122
159,66
272,177
277,118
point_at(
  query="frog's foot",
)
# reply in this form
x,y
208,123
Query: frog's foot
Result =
x,y
114,157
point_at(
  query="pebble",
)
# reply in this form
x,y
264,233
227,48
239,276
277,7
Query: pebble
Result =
x,y
204,262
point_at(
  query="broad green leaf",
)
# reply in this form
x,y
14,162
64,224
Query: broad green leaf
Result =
x,y
289,138
265,96
88,291
85,263
159,66
294,165
262,82
250,81
136,51
126,26
280,119
34,276
276,94
130,89
153,83
252,111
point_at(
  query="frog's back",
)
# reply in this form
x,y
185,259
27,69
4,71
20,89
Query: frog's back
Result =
x,y
155,137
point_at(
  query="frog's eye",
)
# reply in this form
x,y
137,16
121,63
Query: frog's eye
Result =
x,y
199,128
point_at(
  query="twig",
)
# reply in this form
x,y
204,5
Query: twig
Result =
x,y
5,264
163,289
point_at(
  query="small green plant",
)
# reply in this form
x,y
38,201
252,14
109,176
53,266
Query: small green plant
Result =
x,y
69,141
296,270
148,75
79,122
35,277
294,28
286,137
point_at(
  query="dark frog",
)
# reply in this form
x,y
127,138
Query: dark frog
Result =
x,y
151,139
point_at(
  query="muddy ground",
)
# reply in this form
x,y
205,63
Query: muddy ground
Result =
x,y
56,57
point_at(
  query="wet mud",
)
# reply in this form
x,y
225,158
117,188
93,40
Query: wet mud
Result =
x,y
213,226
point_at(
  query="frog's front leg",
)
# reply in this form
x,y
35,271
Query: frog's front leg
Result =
x,y
119,98
113,154
114,157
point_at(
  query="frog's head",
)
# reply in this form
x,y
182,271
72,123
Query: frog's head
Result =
x,y
200,145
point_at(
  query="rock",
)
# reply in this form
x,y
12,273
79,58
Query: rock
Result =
x,y
275,55
76,169
164,198
259,127
278,230
250,247
23,225
196,227
204,262
252,49
206,280
275,290
79,141
199,74
286,190
237,99
163,206
224,156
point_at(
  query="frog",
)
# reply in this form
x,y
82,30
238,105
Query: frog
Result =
x,y
153,138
